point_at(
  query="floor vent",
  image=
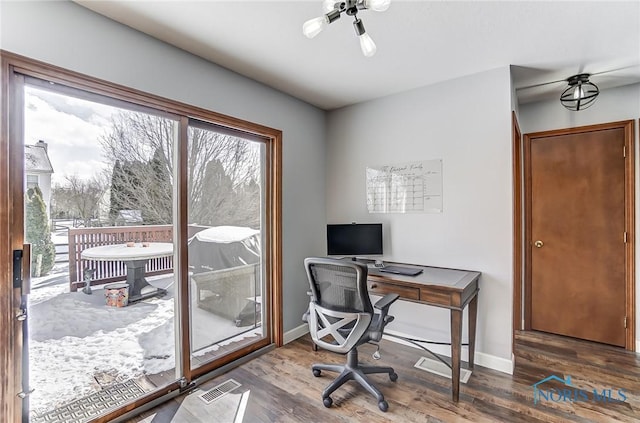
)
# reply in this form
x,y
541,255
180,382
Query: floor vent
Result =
x,y
440,369
219,391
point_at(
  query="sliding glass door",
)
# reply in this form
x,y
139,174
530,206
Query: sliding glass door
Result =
x,y
155,239
226,171
98,214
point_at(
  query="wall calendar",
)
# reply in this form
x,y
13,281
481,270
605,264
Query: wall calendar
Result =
x,y
414,187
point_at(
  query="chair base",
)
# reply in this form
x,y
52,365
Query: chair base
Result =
x,y
353,371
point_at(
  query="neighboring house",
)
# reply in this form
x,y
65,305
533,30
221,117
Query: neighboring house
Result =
x,y
38,170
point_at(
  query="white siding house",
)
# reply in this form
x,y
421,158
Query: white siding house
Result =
x,y
38,170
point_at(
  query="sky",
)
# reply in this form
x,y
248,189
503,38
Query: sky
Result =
x,y
72,129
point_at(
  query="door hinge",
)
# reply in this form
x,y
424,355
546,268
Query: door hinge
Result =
x,y
625,237
625,322
624,151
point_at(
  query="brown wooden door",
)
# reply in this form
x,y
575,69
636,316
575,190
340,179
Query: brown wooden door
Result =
x,y
577,282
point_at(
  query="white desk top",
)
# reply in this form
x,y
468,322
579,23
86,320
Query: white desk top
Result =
x,y
124,253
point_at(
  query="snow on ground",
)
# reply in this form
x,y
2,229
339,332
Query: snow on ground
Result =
x,y
75,337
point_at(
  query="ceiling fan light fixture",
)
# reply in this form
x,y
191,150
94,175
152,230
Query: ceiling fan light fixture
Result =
x,y
580,94
333,9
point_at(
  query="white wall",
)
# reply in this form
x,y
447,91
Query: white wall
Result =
x,y
70,36
616,104
467,123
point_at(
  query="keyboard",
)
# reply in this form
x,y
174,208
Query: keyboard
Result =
x,y
399,270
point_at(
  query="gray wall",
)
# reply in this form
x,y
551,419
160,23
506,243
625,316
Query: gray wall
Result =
x,y
70,36
466,123
612,105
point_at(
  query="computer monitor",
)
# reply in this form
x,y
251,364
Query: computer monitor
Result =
x,y
354,239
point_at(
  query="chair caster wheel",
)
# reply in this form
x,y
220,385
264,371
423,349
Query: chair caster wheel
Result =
x,y
316,372
393,377
328,401
382,405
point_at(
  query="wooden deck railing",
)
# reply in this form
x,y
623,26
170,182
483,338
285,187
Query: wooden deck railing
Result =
x,y
111,271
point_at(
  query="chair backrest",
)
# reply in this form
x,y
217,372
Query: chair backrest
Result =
x,y
338,285
340,310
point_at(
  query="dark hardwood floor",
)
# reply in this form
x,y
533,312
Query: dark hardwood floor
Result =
x,y
279,387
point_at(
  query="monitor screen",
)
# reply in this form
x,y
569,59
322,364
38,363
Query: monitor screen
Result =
x,y
354,239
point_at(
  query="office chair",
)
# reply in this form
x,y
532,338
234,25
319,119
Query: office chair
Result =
x,y
341,318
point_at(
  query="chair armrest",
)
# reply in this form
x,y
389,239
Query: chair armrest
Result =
x,y
385,302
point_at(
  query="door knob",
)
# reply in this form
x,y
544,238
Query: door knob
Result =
x,y
538,244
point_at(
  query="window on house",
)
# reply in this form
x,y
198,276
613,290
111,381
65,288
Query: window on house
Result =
x,y
32,181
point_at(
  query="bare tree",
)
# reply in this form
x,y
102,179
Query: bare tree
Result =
x,y
220,167
78,198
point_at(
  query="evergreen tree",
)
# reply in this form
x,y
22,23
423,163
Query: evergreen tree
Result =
x,y
116,192
218,196
157,207
249,199
38,233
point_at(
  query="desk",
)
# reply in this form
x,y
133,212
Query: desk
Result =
x,y
435,286
135,258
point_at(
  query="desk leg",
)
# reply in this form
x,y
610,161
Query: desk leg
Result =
x,y
456,346
473,314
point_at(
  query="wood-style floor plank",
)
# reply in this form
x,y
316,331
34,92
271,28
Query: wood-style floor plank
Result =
x,y
280,387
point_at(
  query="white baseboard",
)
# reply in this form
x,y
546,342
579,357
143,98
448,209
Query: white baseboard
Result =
x,y
485,360
296,333
637,346
496,363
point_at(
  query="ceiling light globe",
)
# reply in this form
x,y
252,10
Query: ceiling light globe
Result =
x,y
314,26
578,92
377,5
328,5
367,45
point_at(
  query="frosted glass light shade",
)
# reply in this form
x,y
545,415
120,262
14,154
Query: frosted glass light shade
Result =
x,y
314,26
578,92
367,45
378,5
328,5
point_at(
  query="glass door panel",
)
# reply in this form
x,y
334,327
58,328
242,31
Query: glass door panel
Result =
x,y
99,215
226,174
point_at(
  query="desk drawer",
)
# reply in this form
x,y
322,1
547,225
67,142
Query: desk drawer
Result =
x,y
382,288
435,297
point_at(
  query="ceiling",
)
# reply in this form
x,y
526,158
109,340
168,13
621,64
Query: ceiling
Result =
x,y
419,43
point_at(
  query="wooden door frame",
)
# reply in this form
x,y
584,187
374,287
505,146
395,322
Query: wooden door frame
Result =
x,y
516,152
522,249
10,331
